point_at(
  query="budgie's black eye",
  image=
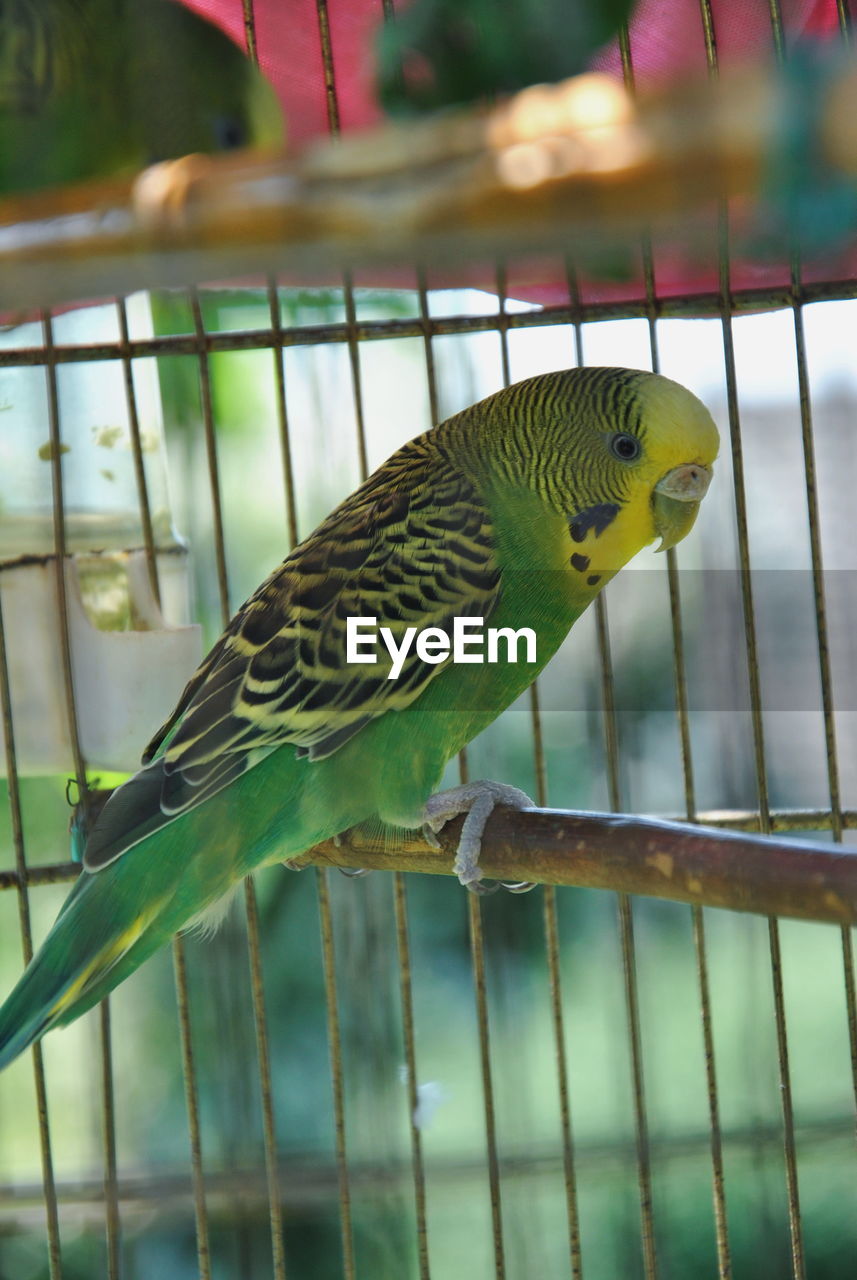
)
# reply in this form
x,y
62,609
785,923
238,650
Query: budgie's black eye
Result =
x,y
624,447
229,133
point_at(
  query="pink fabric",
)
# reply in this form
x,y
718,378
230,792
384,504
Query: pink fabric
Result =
x,y
666,39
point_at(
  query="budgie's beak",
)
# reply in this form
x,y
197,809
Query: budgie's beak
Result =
x,y
675,502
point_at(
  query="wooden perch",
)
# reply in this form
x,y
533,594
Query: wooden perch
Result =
x,y
685,862
681,861
553,168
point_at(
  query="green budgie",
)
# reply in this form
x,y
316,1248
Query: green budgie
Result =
x,y
95,88
516,511
442,53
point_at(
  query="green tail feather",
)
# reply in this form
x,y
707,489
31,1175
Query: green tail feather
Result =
x,y
101,935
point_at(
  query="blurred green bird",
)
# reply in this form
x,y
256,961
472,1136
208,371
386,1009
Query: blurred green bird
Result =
x,y
443,53
516,511
97,88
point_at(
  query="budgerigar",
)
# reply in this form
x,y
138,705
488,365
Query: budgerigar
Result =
x,y
443,53
92,88
516,511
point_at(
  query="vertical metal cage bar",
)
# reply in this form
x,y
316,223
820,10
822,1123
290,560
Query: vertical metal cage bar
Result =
x,y
137,450
111,1184
644,1162
250,31
551,928
263,1054
428,349
795,1227
399,895
211,456
826,677
282,413
356,383
334,1041
477,959
111,1205
625,911
154,580
406,997
21,876
327,64
724,1262
477,953
718,1181
203,1248
474,910
825,673
324,908
323,889
179,965
251,912
60,549
795,1224
549,912
152,568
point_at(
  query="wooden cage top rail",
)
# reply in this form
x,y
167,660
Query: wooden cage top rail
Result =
x,y
684,862
554,167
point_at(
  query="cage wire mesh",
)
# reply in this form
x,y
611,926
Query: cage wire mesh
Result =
x,y
381,1077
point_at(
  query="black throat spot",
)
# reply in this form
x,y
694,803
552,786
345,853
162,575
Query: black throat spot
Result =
x,y
597,518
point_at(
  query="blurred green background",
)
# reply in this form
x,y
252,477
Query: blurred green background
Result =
x,y
151,1125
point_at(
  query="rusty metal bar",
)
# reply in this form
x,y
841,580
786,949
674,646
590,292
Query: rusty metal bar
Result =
x,y
200,1209
250,909
137,450
201,351
406,997
687,307
629,963
265,1087
334,1041
477,954
111,1203
282,411
549,908
49,1188
724,1261
250,31
111,1182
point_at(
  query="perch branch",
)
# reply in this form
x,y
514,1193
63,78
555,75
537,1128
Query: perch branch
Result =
x,y
703,865
684,862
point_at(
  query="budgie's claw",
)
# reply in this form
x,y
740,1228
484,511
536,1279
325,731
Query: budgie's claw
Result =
x,y
353,873
477,800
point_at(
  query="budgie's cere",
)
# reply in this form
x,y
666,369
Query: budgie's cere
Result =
x,y
517,511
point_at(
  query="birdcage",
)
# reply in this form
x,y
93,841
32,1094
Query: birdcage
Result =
x,y
648,1066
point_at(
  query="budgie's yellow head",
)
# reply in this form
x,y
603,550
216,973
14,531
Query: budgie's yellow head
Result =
x,y
625,456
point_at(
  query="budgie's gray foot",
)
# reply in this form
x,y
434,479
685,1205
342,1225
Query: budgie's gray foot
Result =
x,y
477,800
